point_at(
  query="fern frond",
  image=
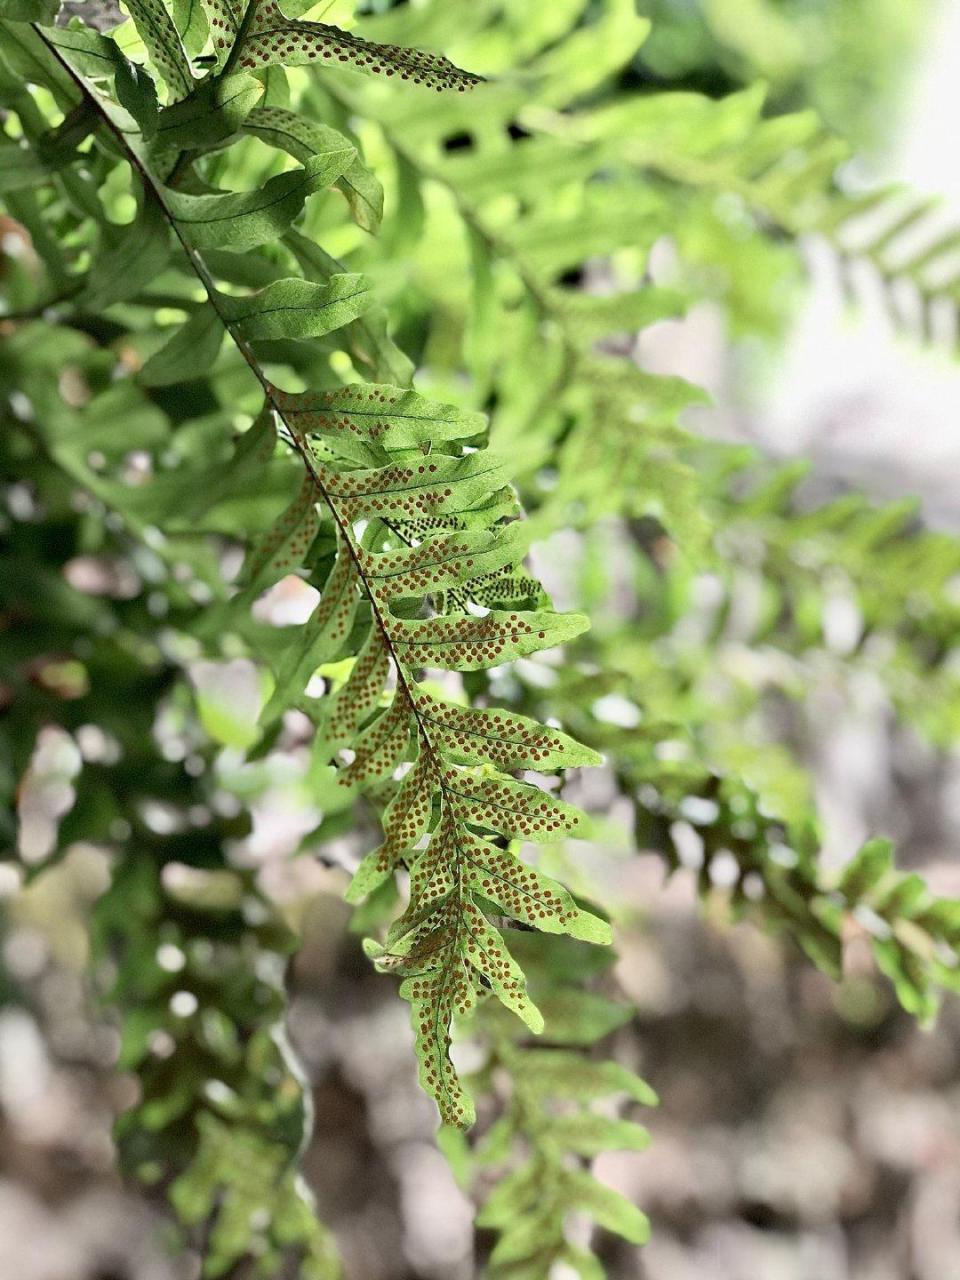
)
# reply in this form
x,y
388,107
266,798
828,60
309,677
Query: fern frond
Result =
x,y
442,944
379,463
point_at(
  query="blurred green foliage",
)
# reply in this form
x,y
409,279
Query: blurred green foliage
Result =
x,y
851,60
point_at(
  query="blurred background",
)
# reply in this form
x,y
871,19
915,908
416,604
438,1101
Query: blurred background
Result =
x,y
807,1131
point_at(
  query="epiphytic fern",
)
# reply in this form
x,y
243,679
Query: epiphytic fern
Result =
x,y
431,517
528,219
401,516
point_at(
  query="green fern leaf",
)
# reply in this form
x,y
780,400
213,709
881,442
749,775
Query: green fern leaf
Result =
x,y
189,352
266,38
530,1206
191,23
297,308
469,643
590,1134
244,220
607,1207
304,139
513,809
385,501
214,111
507,740
438,486
239,1178
440,563
355,418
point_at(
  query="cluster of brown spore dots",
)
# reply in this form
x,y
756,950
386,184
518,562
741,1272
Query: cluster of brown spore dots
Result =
x,y
291,126
292,528
463,639
358,698
274,38
225,18
334,614
407,815
402,490
520,890
422,528
503,587
363,412
508,807
165,46
435,871
445,992
412,571
488,957
382,746
495,736
439,986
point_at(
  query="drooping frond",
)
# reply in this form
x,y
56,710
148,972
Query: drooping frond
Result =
x,y
455,800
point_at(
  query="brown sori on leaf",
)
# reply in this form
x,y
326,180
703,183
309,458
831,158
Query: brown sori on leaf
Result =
x,y
267,37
